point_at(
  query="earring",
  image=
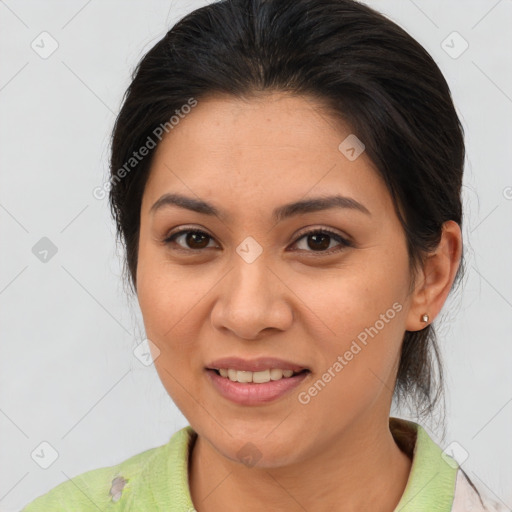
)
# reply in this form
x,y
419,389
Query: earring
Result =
x,y
424,318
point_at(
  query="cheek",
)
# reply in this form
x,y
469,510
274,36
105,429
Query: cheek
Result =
x,y
164,296
364,308
164,307
168,320
358,360
351,300
172,299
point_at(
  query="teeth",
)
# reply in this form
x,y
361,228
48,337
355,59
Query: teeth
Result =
x,y
257,377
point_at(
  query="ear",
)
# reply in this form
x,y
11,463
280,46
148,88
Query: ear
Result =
x,y
436,278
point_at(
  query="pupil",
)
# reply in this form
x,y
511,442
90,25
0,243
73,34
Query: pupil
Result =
x,y
191,237
323,244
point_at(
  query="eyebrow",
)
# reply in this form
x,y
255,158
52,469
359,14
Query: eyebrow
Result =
x,y
280,213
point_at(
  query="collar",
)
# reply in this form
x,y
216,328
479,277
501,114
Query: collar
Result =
x,y
430,486
431,483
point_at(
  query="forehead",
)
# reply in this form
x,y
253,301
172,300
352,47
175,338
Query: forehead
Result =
x,y
277,119
258,152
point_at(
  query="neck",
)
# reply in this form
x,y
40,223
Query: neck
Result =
x,y
361,469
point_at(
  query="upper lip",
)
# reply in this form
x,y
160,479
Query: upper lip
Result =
x,y
254,365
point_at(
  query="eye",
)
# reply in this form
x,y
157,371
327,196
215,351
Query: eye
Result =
x,y
194,237
196,240
318,241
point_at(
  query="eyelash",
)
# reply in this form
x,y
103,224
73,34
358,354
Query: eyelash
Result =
x,y
344,242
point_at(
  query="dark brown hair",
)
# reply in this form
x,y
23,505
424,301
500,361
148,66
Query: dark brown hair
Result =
x,y
368,72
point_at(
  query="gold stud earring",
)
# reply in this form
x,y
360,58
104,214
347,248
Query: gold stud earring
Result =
x,y
424,318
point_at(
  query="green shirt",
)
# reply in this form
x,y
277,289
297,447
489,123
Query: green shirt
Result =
x,y
157,479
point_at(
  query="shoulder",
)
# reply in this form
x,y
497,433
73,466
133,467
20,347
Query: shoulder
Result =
x,y
98,489
436,480
469,497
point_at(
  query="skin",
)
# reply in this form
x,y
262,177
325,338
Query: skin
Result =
x,y
248,157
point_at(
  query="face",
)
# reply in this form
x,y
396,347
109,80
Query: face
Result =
x,y
325,288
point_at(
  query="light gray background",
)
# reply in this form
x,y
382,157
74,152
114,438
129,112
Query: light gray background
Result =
x,y
68,372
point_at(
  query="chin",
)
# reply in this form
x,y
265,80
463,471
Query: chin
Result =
x,y
262,449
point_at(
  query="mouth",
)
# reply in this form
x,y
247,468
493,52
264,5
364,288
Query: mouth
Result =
x,y
257,382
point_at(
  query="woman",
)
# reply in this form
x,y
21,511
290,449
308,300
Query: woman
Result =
x,y
286,178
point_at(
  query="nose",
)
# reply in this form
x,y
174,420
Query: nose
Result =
x,y
252,299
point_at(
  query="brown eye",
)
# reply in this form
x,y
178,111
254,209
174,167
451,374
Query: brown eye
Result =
x,y
194,239
319,241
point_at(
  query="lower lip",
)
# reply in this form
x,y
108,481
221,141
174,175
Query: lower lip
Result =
x,y
251,393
